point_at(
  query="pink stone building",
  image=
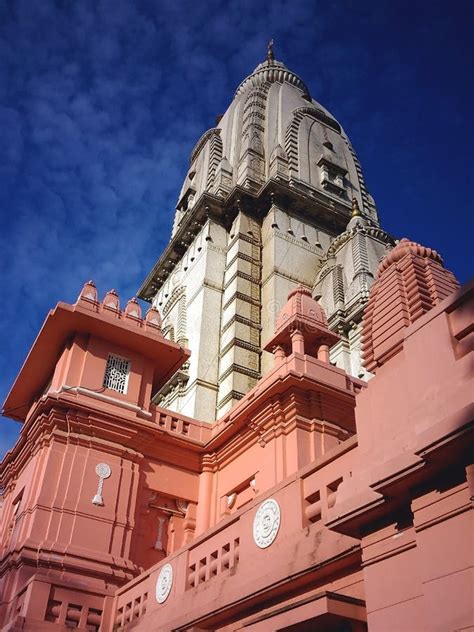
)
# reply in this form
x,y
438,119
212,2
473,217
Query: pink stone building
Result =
x,y
313,500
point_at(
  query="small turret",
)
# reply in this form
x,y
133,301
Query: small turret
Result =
x,y
90,348
111,301
133,309
302,327
88,293
411,281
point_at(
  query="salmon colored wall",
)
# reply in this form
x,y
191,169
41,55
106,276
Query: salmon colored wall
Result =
x,y
383,519
83,364
60,482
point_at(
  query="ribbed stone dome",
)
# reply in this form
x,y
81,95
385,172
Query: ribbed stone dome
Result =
x,y
301,305
404,247
271,71
273,129
411,281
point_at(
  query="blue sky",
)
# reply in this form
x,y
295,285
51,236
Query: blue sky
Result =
x,y
101,102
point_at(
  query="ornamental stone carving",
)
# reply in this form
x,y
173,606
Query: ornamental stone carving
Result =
x,y
164,583
266,523
103,471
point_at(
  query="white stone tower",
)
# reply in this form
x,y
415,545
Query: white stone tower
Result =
x,y
274,197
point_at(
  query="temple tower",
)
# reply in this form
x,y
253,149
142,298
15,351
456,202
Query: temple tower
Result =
x,y
274,198
89,491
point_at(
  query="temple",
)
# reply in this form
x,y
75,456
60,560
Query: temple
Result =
x,y
274,197
282,441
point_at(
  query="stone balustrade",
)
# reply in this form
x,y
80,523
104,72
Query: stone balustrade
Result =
x,y
227,561
177,424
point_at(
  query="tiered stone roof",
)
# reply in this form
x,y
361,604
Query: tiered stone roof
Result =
x,y
411,281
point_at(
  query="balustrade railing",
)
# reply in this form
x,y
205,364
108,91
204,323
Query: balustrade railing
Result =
x,y
229,548
178,424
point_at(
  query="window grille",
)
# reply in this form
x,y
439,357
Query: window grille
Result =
x,y
116,374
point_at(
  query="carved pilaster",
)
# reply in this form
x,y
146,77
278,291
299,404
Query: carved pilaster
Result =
x,y
239,360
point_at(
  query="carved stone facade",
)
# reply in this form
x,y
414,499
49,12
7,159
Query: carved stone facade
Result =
x,y
265,203
343,283
317,500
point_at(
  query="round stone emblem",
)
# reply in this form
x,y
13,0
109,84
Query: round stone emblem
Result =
x,y
266,523
103,470
164,583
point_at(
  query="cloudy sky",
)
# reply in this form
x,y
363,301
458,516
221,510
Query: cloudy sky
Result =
x,y
101,102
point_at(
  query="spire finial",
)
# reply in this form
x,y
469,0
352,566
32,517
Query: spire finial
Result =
x,y
270,56
355,208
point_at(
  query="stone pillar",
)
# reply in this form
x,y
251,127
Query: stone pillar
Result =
x,y
192,317
297,341
323,353
279,354
239,349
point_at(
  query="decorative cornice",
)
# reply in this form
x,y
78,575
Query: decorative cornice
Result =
x,y
243,344
215,131
238,368
236,318
176,294
243,297
371,231
271,72
241,275
306,202
229,397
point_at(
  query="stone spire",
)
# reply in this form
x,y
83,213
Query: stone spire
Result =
x,y
411,281
270,56
268,193
355,208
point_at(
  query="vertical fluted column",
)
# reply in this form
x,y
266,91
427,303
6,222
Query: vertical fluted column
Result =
x,y
323,353
279,355
297,341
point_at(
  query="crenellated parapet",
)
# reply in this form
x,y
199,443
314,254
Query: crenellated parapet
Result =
x,y
96,350
110,307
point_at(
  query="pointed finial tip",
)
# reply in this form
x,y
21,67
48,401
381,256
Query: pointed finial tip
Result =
x,y
355,208
270,56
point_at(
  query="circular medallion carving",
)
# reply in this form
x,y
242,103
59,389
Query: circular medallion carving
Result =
x,y
266,523
103,470
164,583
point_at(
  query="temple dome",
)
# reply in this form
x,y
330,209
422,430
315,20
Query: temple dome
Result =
x,y
271,71
302,315
404,247
411,281
273,129
303,306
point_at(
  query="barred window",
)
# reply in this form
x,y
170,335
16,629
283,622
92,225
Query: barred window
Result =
x,y
116,373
